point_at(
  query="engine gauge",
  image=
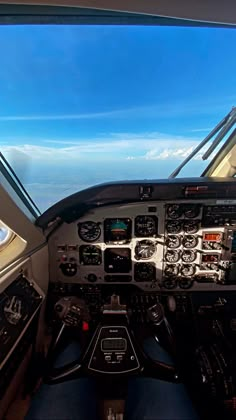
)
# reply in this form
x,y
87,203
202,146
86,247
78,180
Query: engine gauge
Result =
x,y
191,210
173,226
174,211
173,241
89,231
188,270
190,226
189,255
185,283
190,241
90,255
169,283
145,226
172,255
171,270
144,272
144,250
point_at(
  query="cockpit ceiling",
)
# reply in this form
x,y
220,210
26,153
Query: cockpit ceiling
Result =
x,y
209,11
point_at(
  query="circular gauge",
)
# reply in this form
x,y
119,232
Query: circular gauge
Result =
x,y
173,241
171,270
144,272
174,211
190,226
169,283
185,283
89,231
189,255
144,250
173,226
188,270
190,241
191,210
90,255
145,226
172,255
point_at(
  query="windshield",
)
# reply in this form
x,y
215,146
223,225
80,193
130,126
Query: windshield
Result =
x,y
82,105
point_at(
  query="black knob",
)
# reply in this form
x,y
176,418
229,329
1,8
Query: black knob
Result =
x,y
92,278
59,307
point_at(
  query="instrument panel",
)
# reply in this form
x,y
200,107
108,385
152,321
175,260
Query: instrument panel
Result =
x,y
159,245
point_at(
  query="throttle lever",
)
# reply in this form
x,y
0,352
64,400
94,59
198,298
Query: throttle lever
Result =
x,y
161,328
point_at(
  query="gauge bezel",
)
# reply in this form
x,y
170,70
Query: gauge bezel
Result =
x,y
193,267
193,252
94,238
173,274
169,222
81,255
196,239
146,234
178,215
174,251
139,265
196,213
168,241
147,242
193,221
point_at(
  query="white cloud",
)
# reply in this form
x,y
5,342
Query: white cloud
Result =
x,y
122,146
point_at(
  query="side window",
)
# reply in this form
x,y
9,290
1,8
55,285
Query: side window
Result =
x,y
11,245
6,235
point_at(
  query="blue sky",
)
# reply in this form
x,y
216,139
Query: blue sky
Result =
x,y
83,99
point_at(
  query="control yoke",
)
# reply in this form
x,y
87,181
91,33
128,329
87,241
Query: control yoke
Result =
x,y
113,349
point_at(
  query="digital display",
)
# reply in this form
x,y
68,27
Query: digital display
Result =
x,y
114,344
117,230
212,236
210,258
117,260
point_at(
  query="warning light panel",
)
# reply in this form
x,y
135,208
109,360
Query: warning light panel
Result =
x,y
212,236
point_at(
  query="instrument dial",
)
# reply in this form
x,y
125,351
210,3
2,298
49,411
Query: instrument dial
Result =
x,y
190,241
173,226
172,255
171,270
189,255
144,250
169,283
191,210
188,270
145,226
173,241
185,283
89,231
90,255
174,211
144,272
190,226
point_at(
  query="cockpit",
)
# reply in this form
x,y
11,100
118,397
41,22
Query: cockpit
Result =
x,y
118,301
